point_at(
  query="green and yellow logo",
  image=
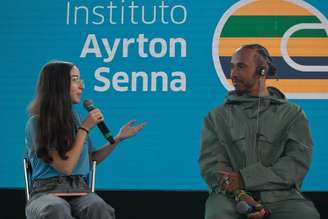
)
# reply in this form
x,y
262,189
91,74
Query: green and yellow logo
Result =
x,y
294,32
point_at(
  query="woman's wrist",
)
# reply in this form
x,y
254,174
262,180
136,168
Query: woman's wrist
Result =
x,y
118,139
86,130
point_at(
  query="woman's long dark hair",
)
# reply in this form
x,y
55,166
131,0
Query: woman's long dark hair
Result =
x,y
53,106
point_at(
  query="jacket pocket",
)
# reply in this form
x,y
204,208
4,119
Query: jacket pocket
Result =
x,y
270,148
238,149
239,139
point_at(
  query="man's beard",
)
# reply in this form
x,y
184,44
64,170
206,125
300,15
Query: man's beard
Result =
x,y
247,87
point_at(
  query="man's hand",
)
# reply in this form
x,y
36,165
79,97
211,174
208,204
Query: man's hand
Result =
x,y
259,211
231,180
256,215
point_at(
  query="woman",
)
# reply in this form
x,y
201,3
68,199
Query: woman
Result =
x,y
60,150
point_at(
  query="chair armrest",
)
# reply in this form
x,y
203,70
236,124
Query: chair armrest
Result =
x,y
93,180
27,172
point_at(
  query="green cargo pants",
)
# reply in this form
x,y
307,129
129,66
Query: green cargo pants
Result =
x,y
218,206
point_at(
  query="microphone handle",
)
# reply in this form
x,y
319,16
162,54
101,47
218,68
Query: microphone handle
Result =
x,y
105,131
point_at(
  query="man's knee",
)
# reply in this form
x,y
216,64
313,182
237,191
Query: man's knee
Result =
x,y
219,206
307,211
294,209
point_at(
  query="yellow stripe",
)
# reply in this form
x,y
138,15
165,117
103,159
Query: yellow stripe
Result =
x,y
272,8
298,85
296,46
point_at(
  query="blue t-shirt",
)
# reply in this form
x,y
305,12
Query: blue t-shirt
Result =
x,y
43,170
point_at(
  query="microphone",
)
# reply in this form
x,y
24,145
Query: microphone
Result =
x,y
246,204
88,105
243,208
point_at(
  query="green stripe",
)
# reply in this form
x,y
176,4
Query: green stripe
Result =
x,y
268,26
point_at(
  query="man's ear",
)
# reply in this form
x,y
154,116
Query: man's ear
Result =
x,y
260,70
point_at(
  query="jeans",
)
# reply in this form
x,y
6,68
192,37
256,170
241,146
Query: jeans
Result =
x,y
44,204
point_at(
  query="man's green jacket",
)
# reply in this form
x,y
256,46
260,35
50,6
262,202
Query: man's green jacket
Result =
x,y
267,139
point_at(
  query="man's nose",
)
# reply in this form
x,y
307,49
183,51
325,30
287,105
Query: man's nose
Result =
x,y
233,73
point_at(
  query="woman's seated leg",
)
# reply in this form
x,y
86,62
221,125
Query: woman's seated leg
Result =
x,y
91,206
49,207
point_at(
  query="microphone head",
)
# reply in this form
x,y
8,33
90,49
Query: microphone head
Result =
x,y
244,208
88,105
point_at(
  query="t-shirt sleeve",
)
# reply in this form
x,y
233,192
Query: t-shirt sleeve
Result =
x,y
30,136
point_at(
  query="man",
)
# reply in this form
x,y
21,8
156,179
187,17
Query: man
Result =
x,y
256,145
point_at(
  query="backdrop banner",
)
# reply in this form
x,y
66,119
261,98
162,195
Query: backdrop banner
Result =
x,y
164,62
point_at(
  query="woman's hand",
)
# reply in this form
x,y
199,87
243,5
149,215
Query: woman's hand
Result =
x,y
129,130
94,116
